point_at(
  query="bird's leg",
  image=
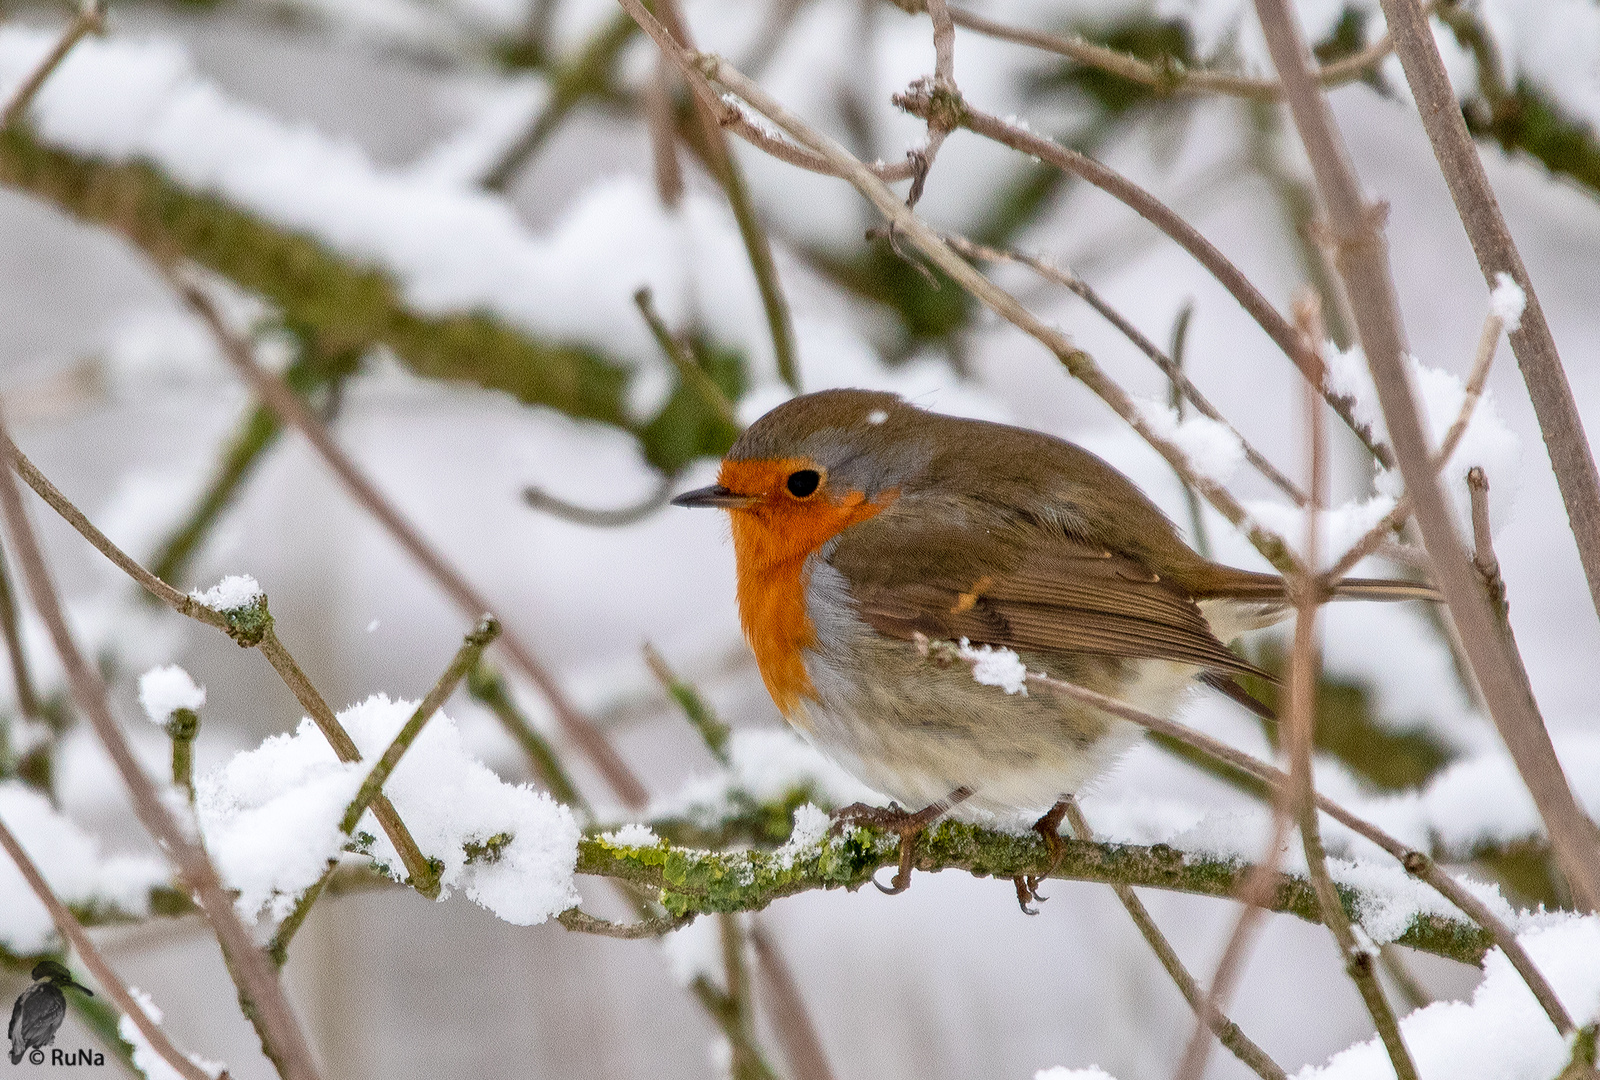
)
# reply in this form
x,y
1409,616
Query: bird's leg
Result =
x,y
1048,827
907,824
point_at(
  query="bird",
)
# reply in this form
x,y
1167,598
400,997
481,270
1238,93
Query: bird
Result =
x,y
865,527
40,1008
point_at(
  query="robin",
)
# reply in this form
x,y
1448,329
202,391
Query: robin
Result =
x,y
863,526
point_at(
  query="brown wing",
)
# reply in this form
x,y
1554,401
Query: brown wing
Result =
x,y
1056,596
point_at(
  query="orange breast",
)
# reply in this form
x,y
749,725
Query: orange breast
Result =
x,y
771,542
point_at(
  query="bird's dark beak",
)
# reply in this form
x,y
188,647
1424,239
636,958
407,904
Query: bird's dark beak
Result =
x,y
716,496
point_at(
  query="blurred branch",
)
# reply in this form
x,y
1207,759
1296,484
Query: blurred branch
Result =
x,y
89,20
488,687
571,81
1168,76
736,1009
1361,254
73,932
786,1009
690,372
618,518
282,1040
21,679
1169,367
1176,400
713,732
582,922
1226,1031
1570,455
283,401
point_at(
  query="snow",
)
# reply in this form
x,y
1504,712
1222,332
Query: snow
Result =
x,y
230,594
1000,667
151,1064
75,866
811,825
1212,449
1061,1072
632,835
694,952
166,689
271,817
1507,301
765,765
1502,1034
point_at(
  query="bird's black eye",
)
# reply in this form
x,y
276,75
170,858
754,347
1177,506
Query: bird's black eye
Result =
x,y
803,483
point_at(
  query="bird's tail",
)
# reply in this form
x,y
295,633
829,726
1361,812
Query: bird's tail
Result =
x,y
1243,585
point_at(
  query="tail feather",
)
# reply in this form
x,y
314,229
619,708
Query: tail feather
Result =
x,y
1244,585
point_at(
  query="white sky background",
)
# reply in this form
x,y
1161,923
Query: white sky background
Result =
x,y
948,980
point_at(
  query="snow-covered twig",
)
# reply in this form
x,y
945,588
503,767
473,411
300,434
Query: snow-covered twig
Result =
x,y
1362,257
1179,230
465,659
73,933
701,67
1553,404
283,401
1050,272
280,1033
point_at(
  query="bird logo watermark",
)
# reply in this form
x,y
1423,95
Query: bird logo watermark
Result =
x,y
37,1016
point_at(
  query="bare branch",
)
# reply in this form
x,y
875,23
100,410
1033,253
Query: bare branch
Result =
x,y
467,599
89,20
616,518
1226,1031
689,371
581,921
282,1039
73,932
1532,342
1361,254
787,1009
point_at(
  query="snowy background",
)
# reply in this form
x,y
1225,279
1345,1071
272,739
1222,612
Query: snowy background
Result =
x,y
365,124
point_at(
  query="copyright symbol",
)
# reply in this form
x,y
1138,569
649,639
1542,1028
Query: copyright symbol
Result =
x,y
36,1056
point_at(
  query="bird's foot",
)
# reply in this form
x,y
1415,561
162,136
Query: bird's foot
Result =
x,y
907,824
1048,827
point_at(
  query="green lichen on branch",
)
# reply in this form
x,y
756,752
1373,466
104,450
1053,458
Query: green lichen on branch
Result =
x,y
706,881
345,306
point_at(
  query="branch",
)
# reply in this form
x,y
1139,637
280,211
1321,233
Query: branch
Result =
x,y
706,882
786,1009
1534,345
89,20
1226,1031
1361,255
283,401
73,932
282,1039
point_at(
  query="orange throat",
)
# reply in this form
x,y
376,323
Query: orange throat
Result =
x,y
771,542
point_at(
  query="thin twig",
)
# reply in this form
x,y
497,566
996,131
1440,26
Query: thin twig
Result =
x,y
344,747
488,687
726,170
282,1040
1169,76
294,412
713,732
1361,254
1477,378
278,947
748,1061
1553,403
21,679
701,67
786,1008
654,926
688,370
617,518
73,932
1184,234
89,20
465,659
1300,734
1226,1031
658,117
1181,383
